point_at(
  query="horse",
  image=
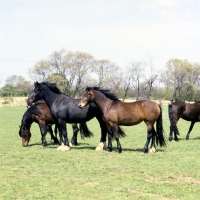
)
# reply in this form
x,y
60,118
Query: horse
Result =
x,y
117,113
40,113
187,111
64,109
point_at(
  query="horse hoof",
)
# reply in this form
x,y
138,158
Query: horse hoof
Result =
x,y
152,150
60,148
101,146
145,151
109,149
118,151
66,148
187,138
71,145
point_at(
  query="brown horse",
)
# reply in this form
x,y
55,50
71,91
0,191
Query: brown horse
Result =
x,y
116,112
187,111
40,113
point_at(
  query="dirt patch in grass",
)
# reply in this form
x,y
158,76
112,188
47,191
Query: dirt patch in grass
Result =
x,y
174,179
15,101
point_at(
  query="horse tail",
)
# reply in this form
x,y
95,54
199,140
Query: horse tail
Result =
x,y
84,131
159,129
121,132
172,120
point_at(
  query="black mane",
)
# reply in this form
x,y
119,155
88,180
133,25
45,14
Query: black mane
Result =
x,y
52,87
107,93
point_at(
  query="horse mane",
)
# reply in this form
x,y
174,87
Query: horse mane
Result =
x,y
106,92
52,87
26,119
33,109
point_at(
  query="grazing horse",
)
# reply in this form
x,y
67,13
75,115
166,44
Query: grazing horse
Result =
x,y
64,109
187,111
40,113
116,112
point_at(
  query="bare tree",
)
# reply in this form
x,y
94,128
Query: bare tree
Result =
x,y
134,74
79,66
40,71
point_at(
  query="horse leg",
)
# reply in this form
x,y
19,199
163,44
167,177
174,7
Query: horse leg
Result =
x,y
75,133
171,134
43,134
55,139
102,144
49,129
65,144
116,135
149,137
153,141
190,129
109,147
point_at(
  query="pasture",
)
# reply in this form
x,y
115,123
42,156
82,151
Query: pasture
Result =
x,y
34,172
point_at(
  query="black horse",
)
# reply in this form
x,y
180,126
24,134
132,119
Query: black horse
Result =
x,y
64,109
40,113
186,111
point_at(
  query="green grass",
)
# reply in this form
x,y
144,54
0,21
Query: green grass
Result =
x,y
82,173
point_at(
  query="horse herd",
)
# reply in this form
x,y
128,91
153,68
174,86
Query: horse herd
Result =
x,y
48,106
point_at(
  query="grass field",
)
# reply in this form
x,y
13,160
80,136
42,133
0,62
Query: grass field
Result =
x,y
82,173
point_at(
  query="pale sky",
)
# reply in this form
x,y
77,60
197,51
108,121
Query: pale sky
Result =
x,y
121,31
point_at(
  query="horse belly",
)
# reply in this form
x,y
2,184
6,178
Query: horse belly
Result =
x,y
131,120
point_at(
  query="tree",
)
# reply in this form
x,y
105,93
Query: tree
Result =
x,y
133,76
16,86
40,71
180,77
79,66
60,81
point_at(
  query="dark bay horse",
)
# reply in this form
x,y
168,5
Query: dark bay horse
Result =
x,y
40,113
116,112
187,111
64,109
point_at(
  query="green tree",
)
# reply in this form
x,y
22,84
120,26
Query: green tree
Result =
x,y
181,77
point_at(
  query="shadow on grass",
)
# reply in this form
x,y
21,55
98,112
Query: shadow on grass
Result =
x,y
183,139
87,146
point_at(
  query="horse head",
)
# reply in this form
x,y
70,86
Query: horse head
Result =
x,y
25,134
88,97
36,94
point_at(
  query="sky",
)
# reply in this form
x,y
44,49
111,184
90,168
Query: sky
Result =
x,y
122,31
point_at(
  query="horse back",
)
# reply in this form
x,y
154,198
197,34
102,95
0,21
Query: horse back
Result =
x,y
69,111
45,114
192,112
130,113
186,111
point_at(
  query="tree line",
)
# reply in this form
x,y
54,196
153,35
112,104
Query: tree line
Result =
x,y
73,71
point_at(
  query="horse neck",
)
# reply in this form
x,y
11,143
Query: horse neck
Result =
x,y
101,100
27,120
49,96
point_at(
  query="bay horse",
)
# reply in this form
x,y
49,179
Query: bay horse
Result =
x,y
40,113
116,113
187,111
64,109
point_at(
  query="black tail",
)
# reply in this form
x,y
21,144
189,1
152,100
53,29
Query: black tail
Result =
x,y
172,121
84,131
159,129
121,132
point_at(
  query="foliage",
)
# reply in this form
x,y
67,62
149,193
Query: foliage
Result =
x,y
73,71
82,173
